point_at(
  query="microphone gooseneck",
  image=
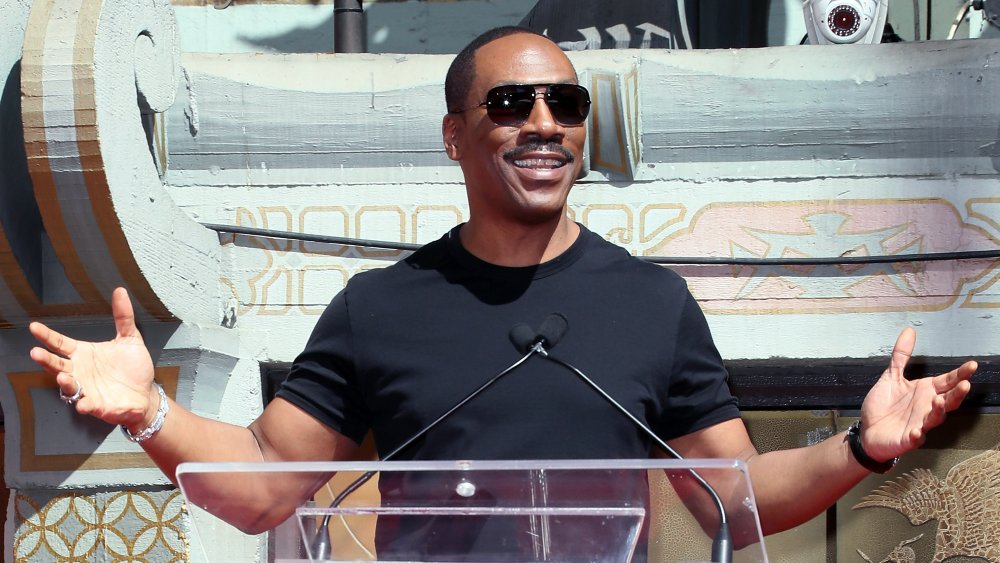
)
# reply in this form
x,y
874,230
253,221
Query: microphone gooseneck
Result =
x,y
722,546
521,338
551,331
529,342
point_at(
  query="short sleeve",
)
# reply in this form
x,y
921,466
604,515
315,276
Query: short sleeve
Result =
x,y
323,380
698,394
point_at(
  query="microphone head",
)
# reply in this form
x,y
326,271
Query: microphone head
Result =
x,y
553,328
522,337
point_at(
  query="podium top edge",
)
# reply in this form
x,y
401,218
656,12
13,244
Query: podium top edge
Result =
x,y
461,465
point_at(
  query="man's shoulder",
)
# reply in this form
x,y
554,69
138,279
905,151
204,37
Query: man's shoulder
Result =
x,y
620,260
428,258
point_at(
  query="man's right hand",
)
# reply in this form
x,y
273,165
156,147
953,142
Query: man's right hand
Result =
x,y
116,375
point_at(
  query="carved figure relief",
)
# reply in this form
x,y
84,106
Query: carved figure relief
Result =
x,y
902,553
966,505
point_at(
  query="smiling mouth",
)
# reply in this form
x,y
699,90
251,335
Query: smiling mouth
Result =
x,y
539,156
538,163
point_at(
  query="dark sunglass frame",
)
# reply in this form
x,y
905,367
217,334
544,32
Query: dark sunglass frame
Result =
x,y
511,105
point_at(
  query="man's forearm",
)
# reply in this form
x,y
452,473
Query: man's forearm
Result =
x,y
793,486
246,502
187,437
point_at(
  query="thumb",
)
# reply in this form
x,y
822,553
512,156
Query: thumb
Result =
x,y
121,308
902,351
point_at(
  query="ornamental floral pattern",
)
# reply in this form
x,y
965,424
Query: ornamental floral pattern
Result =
x,y
118,527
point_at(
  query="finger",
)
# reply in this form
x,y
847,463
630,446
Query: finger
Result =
x,y
52,340
954,397
902,351
70,387
947,381
51,363
67,384
121,308
936,414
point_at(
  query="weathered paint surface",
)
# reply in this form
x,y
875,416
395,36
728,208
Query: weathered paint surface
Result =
x,y
790,151
776,152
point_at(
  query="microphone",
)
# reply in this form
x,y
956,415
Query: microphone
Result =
x,y
552,330
524,338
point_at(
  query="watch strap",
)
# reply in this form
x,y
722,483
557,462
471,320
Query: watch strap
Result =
x,y
858,451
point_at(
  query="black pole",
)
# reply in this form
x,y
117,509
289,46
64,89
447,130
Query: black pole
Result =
x,y
348,27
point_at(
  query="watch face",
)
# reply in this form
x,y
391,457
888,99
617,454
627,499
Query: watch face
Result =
x,y
843,21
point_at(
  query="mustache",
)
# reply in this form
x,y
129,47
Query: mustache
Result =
x,y
535,146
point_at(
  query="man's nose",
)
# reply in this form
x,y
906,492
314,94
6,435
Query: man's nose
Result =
x,y
540,120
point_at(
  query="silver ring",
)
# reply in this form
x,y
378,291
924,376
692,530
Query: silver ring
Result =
x,y
70,400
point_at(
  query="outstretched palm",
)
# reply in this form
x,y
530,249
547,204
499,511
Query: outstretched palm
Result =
x,y
116,375
897,412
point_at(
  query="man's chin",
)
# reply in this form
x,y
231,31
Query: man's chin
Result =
x,y
543,207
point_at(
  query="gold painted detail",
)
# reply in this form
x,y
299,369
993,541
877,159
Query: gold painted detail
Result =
x,y
296,277
804,229
59,44
985,212
965,504
31,415
112,526
614,122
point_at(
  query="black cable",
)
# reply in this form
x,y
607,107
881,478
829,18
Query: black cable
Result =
x,y
832,260
675,260
326,239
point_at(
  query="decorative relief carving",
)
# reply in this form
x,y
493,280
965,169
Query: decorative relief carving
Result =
x,y
985,212
804,229
614,122
965,504
295,277
114,526
902,553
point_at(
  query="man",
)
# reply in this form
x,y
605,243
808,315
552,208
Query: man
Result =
x,y
515,126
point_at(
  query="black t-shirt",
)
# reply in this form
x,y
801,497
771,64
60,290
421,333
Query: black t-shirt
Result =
x,y
401,345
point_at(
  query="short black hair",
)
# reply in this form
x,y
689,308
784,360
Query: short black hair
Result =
x,y
462,71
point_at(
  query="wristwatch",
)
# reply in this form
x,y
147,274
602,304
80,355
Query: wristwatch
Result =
x,y
854,441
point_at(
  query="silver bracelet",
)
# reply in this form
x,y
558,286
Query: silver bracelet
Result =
x,y
154,427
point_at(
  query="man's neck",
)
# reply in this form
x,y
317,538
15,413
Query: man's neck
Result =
x,y
518,245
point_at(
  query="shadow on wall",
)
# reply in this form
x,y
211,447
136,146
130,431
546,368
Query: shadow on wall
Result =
x,y
19,216
446,27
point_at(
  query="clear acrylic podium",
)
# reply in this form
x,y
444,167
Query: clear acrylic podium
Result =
x,y
478,511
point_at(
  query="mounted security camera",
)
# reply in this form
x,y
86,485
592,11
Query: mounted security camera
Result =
x,y
845,21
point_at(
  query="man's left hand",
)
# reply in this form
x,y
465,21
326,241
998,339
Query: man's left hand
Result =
x,y
897,412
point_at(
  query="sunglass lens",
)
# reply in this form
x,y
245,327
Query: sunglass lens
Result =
x,y
511,104
569,103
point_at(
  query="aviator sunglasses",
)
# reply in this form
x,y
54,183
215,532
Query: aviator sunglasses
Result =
x,y
510,105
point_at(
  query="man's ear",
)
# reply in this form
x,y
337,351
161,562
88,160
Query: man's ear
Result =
x,y
450,128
